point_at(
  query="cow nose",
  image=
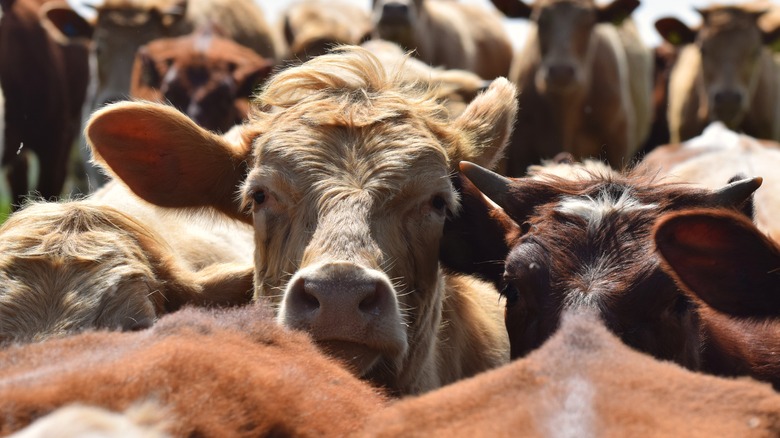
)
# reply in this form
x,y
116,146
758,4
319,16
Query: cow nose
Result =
x,y
728,98
561,73
394,11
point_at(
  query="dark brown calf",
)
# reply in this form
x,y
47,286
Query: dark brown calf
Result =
x,y
731,270
206,76
233,373
587,243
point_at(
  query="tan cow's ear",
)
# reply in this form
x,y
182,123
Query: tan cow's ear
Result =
x,y
487,124
63,23
675,31
166,159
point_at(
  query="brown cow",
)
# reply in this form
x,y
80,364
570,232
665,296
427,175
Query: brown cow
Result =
x,y
207,77
715,156
66,267
584,82
725,72
447,34
349,189
44,81
586,243
730,268
585,382
313,27
231,373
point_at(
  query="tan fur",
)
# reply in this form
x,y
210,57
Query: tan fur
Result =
x,y
454,35
311,27
351,166
70,266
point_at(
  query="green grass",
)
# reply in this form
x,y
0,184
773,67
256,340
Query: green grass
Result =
x,y
5,198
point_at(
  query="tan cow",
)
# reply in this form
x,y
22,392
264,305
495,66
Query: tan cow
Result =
x,y
113,261
716,156
725,72
349,187
313,27
202,74
447,34
584,82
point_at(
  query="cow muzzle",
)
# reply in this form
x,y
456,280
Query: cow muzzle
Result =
x,y
351,311
728,106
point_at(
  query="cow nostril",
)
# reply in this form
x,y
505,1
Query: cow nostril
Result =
x,y
372,303
728,98
303,297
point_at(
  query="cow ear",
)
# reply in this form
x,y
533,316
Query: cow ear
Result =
x,y
616,12
486,125
675,31
64,23
720,257
166,159
513,8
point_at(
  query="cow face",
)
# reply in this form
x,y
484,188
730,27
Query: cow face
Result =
x,y
732,48
587,243
394,20
348,187
565,29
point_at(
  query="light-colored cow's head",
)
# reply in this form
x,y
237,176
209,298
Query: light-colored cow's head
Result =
x,y
732,48
394,20
564,37
206,76
348,185
67,267
312,28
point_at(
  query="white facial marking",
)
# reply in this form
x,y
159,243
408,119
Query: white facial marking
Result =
x,y
716,135
594,210
575,417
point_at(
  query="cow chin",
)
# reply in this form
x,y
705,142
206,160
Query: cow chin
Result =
x,y
359,358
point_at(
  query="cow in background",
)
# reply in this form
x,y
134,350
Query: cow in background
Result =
x,y
584,81
447,34
122,26
346,170
313,27
729,268
44,77
206,76
144,420
215,373
725,72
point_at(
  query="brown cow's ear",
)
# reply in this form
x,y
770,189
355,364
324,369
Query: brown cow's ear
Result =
x,y
675,31
486,125
616,12
513,8
64,23
721,258
166,159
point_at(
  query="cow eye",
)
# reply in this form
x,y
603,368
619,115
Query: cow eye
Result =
x,y
438,203
525,227
259,197
510,292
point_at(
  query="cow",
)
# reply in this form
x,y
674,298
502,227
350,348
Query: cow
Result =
x,y
585,382
206,76
585,243
729,268
146,420
231,372
313,27
44,81
345,169
715,156
584,80
446,34
454,88
664,56
69,266
725,72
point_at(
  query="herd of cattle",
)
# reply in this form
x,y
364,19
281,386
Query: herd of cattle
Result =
x,y
301,229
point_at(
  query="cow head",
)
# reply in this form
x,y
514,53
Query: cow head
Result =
x,y
348,187
732,48
205,76
587,243
564,37
394,20
313,28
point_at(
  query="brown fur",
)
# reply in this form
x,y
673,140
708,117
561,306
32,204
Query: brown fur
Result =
x,y
585,382
584,84
736,81
348,187
313,27
206,76
449,34
70,266
44,82
276,384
